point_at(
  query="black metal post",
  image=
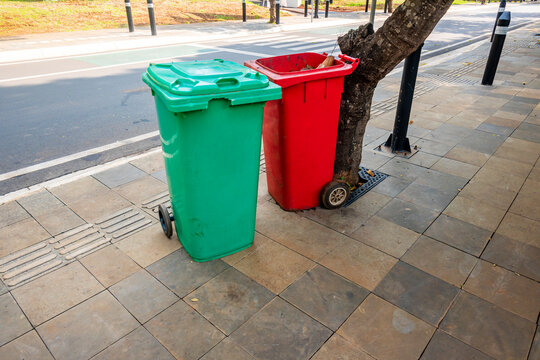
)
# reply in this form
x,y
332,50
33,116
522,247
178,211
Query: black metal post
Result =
x,y
244,17
496,48
385,6
316,12
305,7
326,8
398,141
151,16
278,5
367,5
129,16
502,5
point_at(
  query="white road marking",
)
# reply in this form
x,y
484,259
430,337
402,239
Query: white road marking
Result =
x,y
314,45
251,53
79,155
298,41
275,41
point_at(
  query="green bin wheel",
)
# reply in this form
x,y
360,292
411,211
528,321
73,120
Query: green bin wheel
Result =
x,y
334,195
165,220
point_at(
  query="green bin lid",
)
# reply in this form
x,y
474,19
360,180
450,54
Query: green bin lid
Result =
x,y
190,85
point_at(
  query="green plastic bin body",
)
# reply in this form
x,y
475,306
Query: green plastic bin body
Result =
x,y
210,122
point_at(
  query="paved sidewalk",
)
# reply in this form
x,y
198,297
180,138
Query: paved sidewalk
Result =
x,y
439,261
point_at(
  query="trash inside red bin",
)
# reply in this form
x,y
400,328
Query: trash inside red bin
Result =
x,y
300,131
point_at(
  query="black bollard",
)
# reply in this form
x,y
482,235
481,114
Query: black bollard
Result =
x,y
367,5
277,11
316,11
244,16
151,16
502,5
385,6
496,48
306,2
326,8
398,141
129,16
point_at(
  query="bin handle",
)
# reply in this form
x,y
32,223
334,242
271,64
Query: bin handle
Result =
x,y
354,61
227,82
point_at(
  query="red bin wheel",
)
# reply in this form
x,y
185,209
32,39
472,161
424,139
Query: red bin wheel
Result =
x,y
334,195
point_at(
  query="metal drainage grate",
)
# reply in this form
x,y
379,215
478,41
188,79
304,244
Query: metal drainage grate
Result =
x,y
372,181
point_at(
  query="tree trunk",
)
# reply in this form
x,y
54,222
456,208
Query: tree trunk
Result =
x,y
379,53
272,11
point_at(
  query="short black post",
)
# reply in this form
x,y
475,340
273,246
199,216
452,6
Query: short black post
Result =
x,y
316,11
244,16
129,16
367,5
502,5
385,6
398,141
496,48
278,5
326,8
151,16
306,2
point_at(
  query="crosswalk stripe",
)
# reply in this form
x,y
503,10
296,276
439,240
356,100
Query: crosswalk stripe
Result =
x,y
294,42
329,50
315,45
277,41
251,40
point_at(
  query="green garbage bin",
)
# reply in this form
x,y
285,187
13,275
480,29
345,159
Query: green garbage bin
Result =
x,y
210,122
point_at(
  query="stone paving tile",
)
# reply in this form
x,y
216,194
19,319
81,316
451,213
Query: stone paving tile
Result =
x,y
511,167
420,294
488,328
143,296
372,160
273,265
181,274
141,189
526,203
325,296
497,178
79,190
59,220
391,186
150,163
40,203
11,213
27,347
296,232
139,345
454,167
441,181
444,346
338,348
347,220
149,245
502,122
448,134
185,333
386,236
475,212
501,287
385,331
427,197
13,321
519,150
359,263
402,170
56,292
482,142
467,156
440,260
519,228
3,288
20,235
281,331
535,348
229,300
160,175
109,265
517,108
495,129
227,350
408,215
423,159
495,196
119,175
468,119
88,328
433,147
514,256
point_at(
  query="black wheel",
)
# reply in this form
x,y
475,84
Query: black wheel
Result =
x,y
334,195
165,220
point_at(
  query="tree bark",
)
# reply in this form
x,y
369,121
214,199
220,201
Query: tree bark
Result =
x,y
272,11
379,52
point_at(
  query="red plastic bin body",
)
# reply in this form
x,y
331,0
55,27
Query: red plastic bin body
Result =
x,y
300,131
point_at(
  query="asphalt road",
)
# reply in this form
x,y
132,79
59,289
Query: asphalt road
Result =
x,y
55,108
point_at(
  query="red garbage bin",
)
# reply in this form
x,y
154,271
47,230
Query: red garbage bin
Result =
x,y
300,130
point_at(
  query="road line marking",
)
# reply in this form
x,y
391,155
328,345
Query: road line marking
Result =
x,y
74,176
99,67
232,50
298,41
251,40
276,41
315,45
79,155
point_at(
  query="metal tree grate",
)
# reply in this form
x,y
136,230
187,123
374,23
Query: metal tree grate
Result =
x,y
371,182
